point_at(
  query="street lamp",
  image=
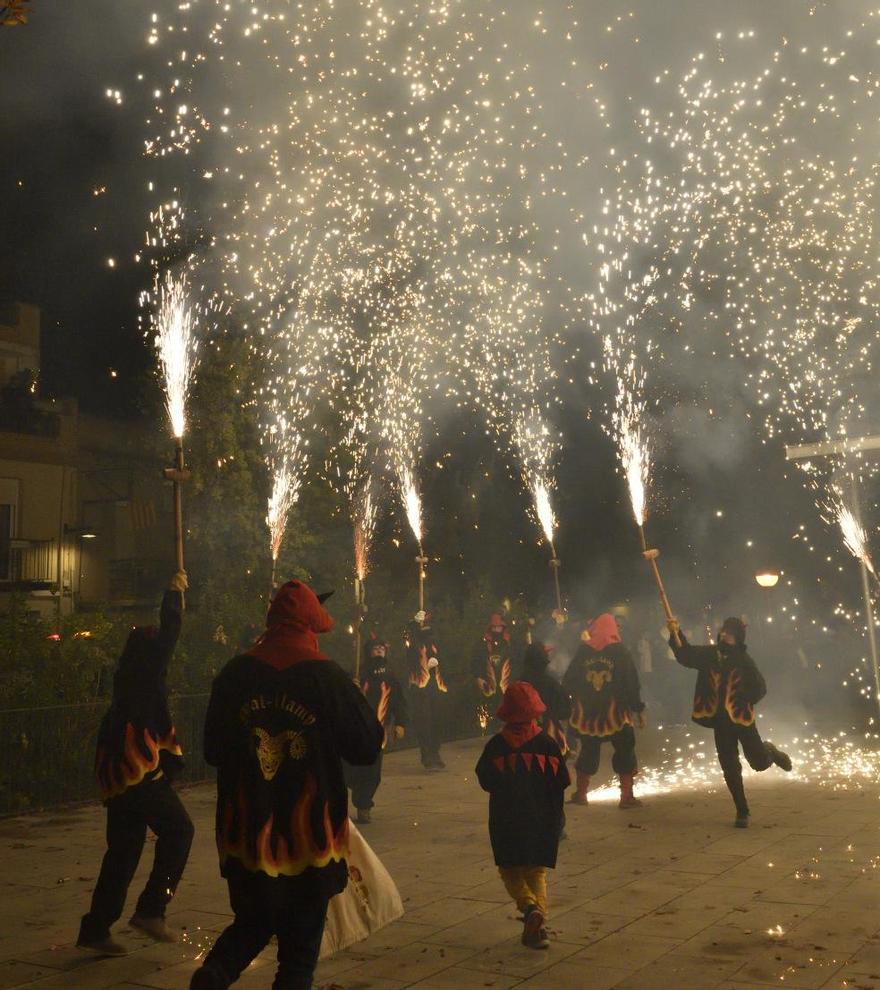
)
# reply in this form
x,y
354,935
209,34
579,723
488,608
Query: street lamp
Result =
x,y
767,579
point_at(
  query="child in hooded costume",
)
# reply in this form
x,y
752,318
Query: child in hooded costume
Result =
x,y
428,690
525,774
729,685
280,720
606,698
385,696
137,757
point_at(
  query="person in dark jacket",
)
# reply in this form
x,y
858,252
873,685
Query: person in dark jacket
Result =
x,y
729,685
428,690
606,700
385,696
525,774
536,671
280,720
491,666
137,757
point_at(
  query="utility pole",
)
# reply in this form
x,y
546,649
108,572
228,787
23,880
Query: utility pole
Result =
x,y
828,448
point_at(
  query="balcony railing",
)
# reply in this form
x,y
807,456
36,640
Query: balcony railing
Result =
x,y
29,563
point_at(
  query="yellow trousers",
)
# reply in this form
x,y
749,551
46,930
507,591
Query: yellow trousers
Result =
x,y
527,885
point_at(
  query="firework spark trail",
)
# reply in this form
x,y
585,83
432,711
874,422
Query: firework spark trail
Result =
x,y
176,345
729,231
364,174
855,539
627,422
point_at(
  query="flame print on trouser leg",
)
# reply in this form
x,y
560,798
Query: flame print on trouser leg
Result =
x,y
488,685
138,759
602,724
286,850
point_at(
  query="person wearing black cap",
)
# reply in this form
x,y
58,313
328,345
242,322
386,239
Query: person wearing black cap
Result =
x,y
280,720
385,696
137,756
729,685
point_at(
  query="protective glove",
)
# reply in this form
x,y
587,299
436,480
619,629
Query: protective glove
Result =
x,y
399,732
432,663
179,582
673,626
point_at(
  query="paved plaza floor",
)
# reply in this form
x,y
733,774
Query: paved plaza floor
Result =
x,y
666,897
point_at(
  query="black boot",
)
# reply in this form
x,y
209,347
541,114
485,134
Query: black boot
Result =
x,y
782,760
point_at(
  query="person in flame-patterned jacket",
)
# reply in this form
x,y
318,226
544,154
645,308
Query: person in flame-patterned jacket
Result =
x,y
606,700
137,756
729,685
491,666
385,696
428,690
281,719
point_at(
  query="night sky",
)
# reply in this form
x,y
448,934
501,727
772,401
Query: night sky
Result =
x,y
73,187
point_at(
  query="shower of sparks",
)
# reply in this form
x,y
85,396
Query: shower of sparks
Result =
x,y
744,225
628,428
285,489
364,511
374,185
544,510
855,539
176,344
412,503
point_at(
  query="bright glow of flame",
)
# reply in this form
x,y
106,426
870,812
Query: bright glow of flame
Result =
x,y
544,510
854,536
412,503
176,344
285,489
364,527
632,445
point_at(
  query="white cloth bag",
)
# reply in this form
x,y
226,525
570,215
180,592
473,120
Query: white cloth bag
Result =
x,y
369,902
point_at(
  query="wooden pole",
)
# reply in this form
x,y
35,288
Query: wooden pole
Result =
x,y
651,556
555,564
360,604
177,475
422,560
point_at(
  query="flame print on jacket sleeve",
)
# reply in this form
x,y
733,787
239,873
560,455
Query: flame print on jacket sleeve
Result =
x,y
281,848
739,710
139,758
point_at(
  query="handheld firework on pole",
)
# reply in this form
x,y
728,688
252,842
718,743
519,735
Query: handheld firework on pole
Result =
x,y
177,348
635,456
413,506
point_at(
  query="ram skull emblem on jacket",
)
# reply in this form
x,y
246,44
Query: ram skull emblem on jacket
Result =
x,y
271,750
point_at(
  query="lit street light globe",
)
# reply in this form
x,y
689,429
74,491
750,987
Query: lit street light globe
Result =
x,y
767,579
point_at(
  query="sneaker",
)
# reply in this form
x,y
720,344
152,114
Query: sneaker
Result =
x,y
106,946
742,820
154,927
533,927
363,816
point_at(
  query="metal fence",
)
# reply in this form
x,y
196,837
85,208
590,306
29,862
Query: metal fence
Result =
x,y
47,754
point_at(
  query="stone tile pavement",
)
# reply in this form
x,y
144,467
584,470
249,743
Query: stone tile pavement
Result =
x,y
668,897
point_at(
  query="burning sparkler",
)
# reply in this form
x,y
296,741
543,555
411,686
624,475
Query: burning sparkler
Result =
x,y
177,348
